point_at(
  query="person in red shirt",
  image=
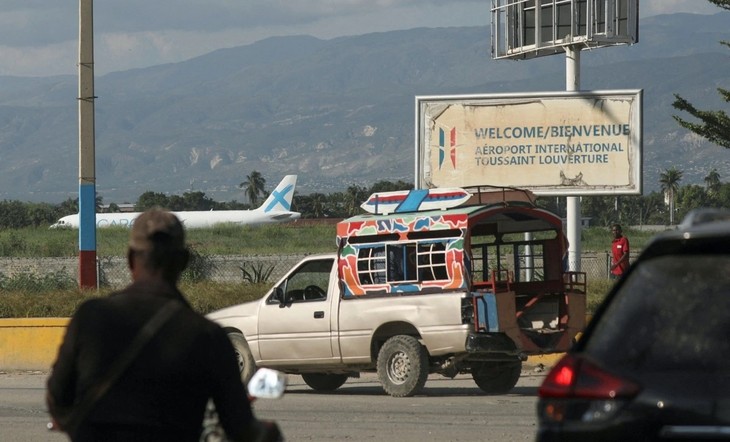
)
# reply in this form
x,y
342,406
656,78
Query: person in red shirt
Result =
x,y
620,252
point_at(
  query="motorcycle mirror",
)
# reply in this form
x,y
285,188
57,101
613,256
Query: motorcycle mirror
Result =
x,y
267,384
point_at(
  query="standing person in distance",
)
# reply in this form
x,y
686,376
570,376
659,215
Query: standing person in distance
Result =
x,y
619,252
161,393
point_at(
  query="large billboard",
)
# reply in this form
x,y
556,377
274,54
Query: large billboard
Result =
x,y
530,28
553,143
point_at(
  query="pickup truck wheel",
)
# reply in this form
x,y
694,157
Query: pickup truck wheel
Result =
x,y
497,378
324,382
246,363
402,366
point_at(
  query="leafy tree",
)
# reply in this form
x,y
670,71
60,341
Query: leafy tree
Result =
x,y
552,203
151,199
197,201
175,202
690,197
669,180
600,209
40,214
712,181
643,209
314,205
253,187
13,214
722,197
69,207
725,4
336,205
319,203
714,125
354,196
388,186
231,205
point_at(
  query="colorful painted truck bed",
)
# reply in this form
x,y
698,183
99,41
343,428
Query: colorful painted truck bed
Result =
x,y
380,254
506,257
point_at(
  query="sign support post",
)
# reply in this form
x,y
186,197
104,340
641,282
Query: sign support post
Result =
x,y
573,209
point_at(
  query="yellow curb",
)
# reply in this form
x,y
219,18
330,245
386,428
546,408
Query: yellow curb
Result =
x,y
30,343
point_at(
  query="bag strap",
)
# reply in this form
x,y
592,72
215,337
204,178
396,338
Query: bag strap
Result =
x,y
145,334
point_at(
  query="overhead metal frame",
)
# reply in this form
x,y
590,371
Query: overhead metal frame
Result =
x,y
533,28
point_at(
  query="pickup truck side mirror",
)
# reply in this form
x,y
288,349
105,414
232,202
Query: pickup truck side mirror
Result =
x,y
279,295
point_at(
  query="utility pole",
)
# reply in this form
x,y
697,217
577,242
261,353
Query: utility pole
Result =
x,y
87,169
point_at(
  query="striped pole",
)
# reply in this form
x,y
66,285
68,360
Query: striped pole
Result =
x,y
87,171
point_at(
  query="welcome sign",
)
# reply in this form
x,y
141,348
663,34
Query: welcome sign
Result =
x,y
562,143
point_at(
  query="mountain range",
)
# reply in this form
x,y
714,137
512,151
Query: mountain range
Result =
x,y
335,112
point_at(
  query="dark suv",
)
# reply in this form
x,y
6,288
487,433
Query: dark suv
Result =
x,y
654,363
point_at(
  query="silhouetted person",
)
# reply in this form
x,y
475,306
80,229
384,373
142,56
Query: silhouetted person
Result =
x,y
162,393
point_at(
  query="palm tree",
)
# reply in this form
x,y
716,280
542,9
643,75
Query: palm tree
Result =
x,y
319,200
669,180
253,187
712,181
353,197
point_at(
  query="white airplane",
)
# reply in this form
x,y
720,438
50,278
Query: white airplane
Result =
x,y
276,209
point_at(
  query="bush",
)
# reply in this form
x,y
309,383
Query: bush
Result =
x,y
204,297
209,296
200,267
33,282
50,304
597,291
256,273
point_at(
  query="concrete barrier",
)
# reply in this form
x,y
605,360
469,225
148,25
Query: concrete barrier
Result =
x,y
30,343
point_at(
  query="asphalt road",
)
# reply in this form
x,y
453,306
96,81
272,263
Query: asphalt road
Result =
x,y
446,410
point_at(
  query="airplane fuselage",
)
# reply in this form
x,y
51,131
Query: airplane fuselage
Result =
x,y
276,209
191,219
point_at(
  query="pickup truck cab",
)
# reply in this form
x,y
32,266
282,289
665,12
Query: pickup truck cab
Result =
x,y
471,289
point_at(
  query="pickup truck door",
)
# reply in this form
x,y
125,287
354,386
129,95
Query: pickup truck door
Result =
x,y
299,327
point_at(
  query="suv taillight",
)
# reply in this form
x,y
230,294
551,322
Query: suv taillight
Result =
x,y
577,389
578,378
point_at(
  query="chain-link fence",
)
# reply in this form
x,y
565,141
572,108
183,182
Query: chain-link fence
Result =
x,y
597,265
112,271
230,269
54,273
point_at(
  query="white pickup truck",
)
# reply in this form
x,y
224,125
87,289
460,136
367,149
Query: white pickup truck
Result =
x,y
472,289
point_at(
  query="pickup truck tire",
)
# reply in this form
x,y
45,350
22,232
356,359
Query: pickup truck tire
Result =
x,y
246,363
497,378
323,381
402,366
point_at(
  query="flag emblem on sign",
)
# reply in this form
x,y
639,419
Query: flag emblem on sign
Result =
x,y
447,146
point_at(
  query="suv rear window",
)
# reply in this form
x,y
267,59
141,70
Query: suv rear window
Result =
x,y
672,312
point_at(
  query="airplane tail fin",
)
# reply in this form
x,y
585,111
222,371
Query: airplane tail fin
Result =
x,y
281,198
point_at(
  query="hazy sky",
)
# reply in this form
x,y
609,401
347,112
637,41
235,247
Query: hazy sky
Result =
x,y
40,37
